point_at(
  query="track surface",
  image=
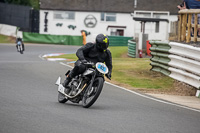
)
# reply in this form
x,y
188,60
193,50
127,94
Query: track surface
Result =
x,y
28,101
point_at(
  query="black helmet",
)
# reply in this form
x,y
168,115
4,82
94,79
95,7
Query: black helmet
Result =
x,y
102,42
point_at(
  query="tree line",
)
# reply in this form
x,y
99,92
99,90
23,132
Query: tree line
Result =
x,y
32,3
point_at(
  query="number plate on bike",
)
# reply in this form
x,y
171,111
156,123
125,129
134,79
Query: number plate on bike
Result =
x,y
102,68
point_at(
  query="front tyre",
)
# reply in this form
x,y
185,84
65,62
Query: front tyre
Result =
x,y
91,95
61,98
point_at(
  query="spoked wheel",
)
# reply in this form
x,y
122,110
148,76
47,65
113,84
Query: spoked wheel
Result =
x,y
61,98
21,51
91,94
18,48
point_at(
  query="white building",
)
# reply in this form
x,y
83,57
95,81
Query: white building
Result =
x,y
112,17
62,23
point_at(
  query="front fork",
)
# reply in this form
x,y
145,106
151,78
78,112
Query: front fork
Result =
x,y
90,88
92,80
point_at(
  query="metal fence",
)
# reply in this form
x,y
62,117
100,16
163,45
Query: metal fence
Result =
x,y
52,39
21,16
118,40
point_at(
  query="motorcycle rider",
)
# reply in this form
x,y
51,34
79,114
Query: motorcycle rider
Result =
x,y
91,52
17,40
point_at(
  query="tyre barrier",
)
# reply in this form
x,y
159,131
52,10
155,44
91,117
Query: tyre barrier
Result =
x,y
131,48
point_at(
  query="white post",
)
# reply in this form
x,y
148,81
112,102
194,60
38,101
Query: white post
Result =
x,y
198,93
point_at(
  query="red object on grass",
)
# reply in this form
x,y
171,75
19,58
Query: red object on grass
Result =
x,y
148,47
140,54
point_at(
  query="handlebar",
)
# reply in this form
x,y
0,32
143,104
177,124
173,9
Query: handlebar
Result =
x,y
89,64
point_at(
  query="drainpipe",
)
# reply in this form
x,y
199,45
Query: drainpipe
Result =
x,y
135,3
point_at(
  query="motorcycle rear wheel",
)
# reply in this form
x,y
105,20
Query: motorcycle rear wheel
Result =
x,y
19,49
90,96
61,98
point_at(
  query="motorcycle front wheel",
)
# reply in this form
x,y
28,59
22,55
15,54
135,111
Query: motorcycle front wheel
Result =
x,y
19,47
91,94
61,98
21,52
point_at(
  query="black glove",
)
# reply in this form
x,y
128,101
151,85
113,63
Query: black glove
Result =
x,y
84,61
108,75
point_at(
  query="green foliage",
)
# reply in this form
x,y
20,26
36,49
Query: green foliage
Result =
x,y
32,3
19,2
35,4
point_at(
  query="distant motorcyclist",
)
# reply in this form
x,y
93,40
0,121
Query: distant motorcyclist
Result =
x,y
18,40
91,52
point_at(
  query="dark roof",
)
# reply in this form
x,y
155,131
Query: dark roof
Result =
x,y
123,6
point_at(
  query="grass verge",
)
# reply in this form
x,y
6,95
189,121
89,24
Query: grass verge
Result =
x,y
134,73
7,39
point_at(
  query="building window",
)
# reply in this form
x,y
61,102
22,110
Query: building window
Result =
x,y
143,14
160,15
108,17
64,15
157,27
117,32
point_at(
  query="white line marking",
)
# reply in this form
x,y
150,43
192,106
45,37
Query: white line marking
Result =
x,y
40,56
65,64
56,59
145,96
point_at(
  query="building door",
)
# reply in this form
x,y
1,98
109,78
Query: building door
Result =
x,y
120,32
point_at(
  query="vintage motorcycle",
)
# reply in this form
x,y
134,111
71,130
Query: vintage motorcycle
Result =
x,y
85,87
20,47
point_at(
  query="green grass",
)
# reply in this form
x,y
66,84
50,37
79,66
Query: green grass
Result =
x,y
134,72
117,51
6,39
67,56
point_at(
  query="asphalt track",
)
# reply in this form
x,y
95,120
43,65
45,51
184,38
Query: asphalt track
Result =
x,y
28,101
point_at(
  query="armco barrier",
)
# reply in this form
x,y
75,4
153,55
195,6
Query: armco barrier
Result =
x,y
185,50
131,48
176,60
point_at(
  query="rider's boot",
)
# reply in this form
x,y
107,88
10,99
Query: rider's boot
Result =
x,y
17,48
70,74
23,47
66,83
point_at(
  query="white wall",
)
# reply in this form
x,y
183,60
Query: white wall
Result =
x,y
122,19
164,27
9,30
150,27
